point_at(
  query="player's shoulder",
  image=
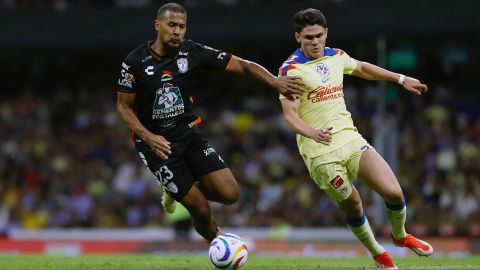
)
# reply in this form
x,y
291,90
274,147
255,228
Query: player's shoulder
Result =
x,y
297,57
138,54
191,45
327,51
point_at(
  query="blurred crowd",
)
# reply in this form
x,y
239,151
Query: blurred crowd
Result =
x,y
67,160
65,5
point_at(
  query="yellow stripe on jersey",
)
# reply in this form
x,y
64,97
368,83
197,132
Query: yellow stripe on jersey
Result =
x,y
322,105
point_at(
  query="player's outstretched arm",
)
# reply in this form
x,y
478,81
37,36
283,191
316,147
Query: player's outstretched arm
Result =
x,y
372,72
125,108
288,86
295,123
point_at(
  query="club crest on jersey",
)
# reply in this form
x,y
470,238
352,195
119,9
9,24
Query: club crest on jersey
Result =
x,y
182,64
323,69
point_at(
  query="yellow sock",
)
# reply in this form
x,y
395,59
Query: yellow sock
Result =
x,y
397,214
362,230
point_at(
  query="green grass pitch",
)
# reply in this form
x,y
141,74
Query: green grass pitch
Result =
x,y
184,262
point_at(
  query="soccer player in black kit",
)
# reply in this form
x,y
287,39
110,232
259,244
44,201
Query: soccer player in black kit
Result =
x,y
154,101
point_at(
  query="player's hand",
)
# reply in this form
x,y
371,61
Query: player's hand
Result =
x,y
415,86
323,135
289,86
160,145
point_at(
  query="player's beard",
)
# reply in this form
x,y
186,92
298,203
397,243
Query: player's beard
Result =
x,y
173,47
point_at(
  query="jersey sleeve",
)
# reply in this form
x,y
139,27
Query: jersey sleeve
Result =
x,y
126,80
287,69
349,64
211,58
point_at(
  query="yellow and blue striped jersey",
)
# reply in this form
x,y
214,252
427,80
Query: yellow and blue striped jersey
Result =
x,y
322,105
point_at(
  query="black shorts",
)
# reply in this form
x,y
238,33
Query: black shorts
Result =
x,y
191,158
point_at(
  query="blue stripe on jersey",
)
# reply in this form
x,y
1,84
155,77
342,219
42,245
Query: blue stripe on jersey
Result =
x,y
329,51
298,57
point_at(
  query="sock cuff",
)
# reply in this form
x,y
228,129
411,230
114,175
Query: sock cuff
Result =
x,y
356,221
395,207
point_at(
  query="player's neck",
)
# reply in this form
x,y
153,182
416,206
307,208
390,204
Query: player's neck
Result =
x,y
161,49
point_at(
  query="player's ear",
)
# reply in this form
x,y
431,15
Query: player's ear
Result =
x,y
297,37
156,24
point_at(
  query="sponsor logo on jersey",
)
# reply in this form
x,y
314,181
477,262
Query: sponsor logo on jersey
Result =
x,y
149,70
168,102
183,53
324,93
182,64
337,181
126,79
167,76
146,59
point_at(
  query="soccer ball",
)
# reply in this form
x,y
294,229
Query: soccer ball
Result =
x,y
228,251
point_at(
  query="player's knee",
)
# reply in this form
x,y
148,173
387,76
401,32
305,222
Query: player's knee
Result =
x,y
352,206
393,196
231,195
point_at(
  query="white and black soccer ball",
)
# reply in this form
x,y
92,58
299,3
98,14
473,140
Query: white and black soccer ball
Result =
x,y
228,251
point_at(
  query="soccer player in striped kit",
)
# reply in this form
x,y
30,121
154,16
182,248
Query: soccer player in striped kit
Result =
x,y
333,151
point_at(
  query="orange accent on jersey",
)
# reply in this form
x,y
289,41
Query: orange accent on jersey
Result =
x,y
125,93
196,122
191,99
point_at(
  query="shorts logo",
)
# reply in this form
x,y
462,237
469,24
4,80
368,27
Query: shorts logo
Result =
x,y
365,147
337,181
172,187
344,190
208,151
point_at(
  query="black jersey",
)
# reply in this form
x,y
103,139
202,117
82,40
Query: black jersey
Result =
x,y
164,84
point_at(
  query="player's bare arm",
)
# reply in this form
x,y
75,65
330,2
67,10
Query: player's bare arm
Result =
x,y
369,71
295,123
289,86
125,108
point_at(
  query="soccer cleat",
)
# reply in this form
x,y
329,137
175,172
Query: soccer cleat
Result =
x,y
418,246
384,261
169,204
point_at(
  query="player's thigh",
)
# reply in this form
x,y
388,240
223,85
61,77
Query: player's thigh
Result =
x,y
196,203
221,185
332,178
377,174
213,174
173,174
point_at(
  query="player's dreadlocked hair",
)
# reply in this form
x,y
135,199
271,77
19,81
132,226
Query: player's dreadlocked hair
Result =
x,y
309,16
174,7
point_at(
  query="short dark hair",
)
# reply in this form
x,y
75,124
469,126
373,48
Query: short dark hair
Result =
x,y
309,16
174,7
